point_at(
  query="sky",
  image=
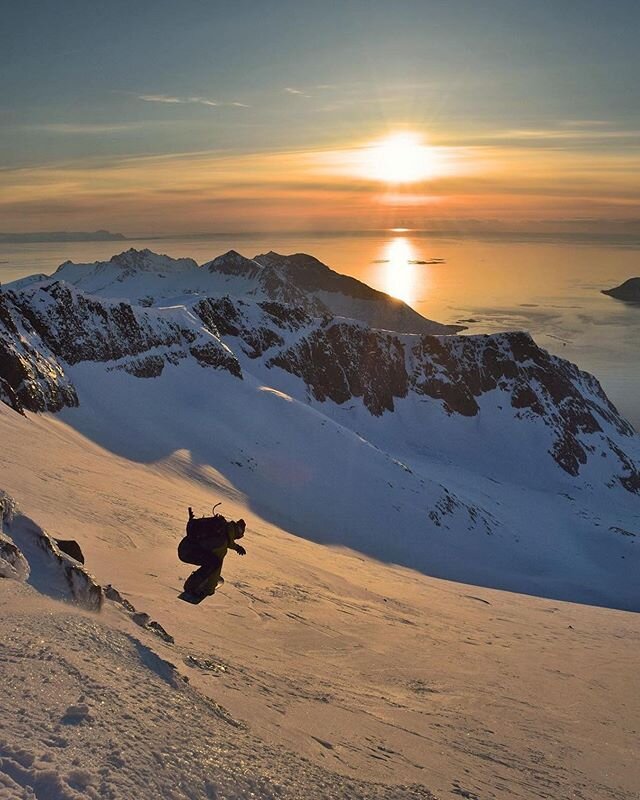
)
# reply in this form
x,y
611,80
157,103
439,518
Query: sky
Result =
x,y
158,117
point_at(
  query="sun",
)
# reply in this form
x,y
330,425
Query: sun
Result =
x,y
401,157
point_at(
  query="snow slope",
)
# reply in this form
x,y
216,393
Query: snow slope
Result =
x,y
91,711
313,672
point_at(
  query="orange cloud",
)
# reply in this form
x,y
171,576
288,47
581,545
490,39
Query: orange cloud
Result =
x,y
315,188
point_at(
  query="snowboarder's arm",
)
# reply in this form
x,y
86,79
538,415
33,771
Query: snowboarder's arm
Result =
x,y
238,548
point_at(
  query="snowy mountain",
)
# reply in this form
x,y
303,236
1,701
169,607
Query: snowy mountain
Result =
x,y
148,278
476,458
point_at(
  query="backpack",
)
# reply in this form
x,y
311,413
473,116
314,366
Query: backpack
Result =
x,y
210,532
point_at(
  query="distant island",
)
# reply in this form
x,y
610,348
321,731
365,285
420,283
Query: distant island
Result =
x,y
629,290
61,236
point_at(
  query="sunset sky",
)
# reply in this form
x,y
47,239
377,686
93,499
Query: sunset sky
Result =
x,y
158,117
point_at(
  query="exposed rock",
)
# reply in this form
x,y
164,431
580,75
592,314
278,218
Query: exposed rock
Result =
x,y
144,621
341,361
71,548
13,564
145,367
345,360
111,593
232,263
629,290
48,326
50,569
141,618
31,376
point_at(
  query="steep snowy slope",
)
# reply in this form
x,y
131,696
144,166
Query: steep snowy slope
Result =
x,y
364,671
482,459
91,711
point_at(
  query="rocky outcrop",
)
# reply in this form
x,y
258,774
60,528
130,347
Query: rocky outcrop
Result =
x,y
259,327
36,558
344,360
232,263
71,548
340,361
47,327
140,618
13,564
629,290
78,327
31,376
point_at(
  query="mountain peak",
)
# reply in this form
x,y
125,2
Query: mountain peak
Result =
x,y
147,260
293,261
233,263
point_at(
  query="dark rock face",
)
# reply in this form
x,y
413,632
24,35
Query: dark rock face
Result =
x,y
71,548
78,327
340,361
210,354
31,377
629,290
226,317
45,328
145,367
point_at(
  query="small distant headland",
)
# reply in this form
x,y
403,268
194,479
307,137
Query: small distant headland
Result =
x,y
629,290
61,236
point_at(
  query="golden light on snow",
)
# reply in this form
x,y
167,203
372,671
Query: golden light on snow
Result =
x,y
402,157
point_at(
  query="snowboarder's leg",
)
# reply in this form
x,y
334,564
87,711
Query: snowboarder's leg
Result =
x,y
212,580
203,581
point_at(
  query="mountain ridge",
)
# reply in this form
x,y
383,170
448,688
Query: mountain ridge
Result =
x,y
453,436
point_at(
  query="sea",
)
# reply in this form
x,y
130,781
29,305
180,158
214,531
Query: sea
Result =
x,y
549,286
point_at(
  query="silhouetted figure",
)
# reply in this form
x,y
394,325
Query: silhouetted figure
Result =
x,y
206,544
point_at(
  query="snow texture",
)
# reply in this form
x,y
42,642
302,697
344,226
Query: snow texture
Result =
x,y
92,712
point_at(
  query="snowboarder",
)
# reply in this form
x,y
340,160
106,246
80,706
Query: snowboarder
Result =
x,y
206,544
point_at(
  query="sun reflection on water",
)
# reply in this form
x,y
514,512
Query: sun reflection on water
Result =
x,y
399,276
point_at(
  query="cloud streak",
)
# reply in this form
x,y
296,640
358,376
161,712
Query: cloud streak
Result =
x,y
189,100
298,92
88,128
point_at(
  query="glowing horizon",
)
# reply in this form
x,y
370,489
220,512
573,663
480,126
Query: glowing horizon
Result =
x,y
324,189
398,119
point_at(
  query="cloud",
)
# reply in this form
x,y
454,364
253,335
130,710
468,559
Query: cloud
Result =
x,y
190,100
159,98
275,189
86,127
299,92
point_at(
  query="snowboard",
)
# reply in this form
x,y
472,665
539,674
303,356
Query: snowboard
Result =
x,y
196,599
